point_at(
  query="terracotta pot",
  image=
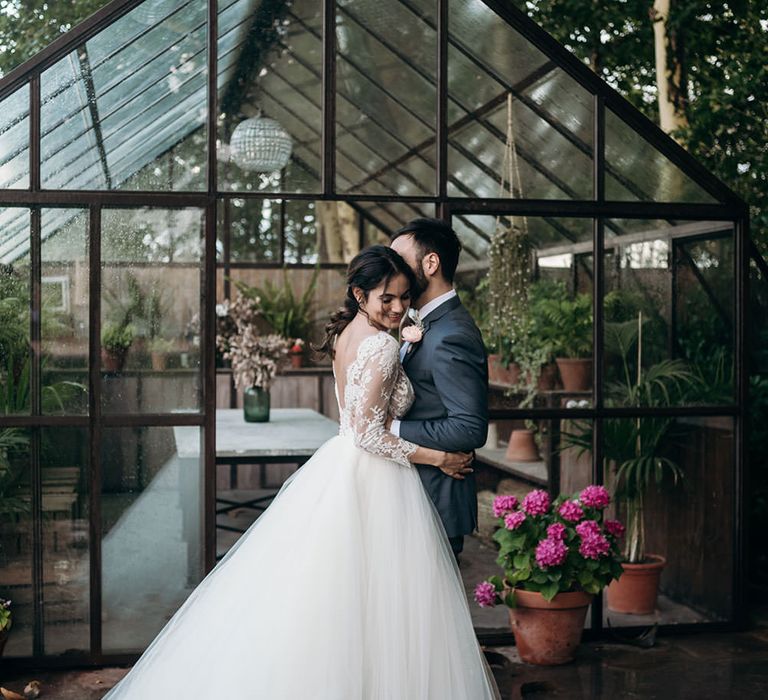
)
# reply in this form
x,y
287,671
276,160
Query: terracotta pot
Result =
x,y
499,374
112,362
159,360
548,632
636,590
547,377
576,373
297,360
522,447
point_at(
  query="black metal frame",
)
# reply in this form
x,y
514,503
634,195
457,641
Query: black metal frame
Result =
x,y
729,208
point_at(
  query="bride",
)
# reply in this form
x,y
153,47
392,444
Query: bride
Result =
x,y
346,587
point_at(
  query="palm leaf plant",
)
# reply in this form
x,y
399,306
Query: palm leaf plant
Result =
x,y
636,446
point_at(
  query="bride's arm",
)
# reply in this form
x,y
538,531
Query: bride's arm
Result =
x,y
377,382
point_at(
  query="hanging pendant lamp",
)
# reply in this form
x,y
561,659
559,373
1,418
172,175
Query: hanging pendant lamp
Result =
x,y
261,145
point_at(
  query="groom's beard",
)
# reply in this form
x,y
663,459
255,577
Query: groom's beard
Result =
x,y
422,283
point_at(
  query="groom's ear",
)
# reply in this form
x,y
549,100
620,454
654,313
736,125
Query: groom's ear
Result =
x,y
431,264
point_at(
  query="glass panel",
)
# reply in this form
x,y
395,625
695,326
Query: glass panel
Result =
x,y
689,522
16,537
270,67
66,567
65,278
547,122
14,140
386,97
669,307
538,332
128,110
14,311
151,519
520,456
635,170
151,271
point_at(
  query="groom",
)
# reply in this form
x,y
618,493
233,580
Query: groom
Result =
x,y
449,372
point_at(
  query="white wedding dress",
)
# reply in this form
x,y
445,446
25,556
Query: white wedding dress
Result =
x,y
344,589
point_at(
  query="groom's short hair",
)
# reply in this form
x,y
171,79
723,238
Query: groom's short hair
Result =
x,y
434,236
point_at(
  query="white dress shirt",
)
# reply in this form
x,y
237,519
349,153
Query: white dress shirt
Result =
x,y
424,311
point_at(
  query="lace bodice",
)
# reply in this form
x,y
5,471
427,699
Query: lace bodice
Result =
x,y
376,387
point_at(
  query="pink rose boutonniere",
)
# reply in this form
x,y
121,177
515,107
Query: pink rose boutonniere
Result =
x,y
415,332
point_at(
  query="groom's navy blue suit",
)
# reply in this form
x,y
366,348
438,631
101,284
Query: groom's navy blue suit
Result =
x,y
449,372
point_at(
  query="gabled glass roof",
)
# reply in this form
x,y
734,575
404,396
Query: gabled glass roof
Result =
x,y
126,108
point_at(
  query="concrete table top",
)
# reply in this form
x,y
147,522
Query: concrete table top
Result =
x,y
290,432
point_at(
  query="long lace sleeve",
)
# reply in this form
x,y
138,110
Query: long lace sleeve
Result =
x,y
377,374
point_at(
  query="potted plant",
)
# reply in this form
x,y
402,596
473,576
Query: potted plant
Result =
x,y
255,358
567,325
6,620
555,558
158,351
297,353
287,314
116,339
634,449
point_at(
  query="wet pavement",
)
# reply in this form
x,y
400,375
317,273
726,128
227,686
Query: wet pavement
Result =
x,y
691,667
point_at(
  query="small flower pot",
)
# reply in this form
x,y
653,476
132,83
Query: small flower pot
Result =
x,y
522,447
548,632
112,361
3,639
297,360
498,373
547,377
637,589
576,373
256,405
159,360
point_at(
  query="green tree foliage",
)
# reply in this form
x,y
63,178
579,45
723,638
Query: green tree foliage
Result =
x,y
723,50
28,26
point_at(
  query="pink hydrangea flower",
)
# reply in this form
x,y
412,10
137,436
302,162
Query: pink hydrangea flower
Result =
x,y
588,528
570,510
512,521
536,502
556,531
551,552
614,527
594,547
503,505
595,497
485,594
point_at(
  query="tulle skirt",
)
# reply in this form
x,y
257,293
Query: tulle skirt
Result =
x,y
345,589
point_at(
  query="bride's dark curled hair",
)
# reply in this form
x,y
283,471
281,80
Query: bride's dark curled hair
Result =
x,y
367,270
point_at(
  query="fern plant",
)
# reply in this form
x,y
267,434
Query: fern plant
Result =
x,y
288,315
565,325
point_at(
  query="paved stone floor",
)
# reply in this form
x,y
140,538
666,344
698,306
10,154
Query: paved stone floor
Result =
x,y
710,666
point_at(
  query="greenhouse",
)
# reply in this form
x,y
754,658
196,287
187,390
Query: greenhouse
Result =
x,y
165,156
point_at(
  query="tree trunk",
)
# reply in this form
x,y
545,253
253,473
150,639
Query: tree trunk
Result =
x,y
337,231
669,70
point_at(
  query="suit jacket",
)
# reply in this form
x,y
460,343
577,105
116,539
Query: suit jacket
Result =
x,y
449,373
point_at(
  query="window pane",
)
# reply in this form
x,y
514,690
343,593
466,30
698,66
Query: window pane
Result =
x,y
16,537
150,307
689,522
386,97
635,170
538,333
65,282
547,122
14,140
128,110
66,566
270,67
669,313
14,311
152,541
